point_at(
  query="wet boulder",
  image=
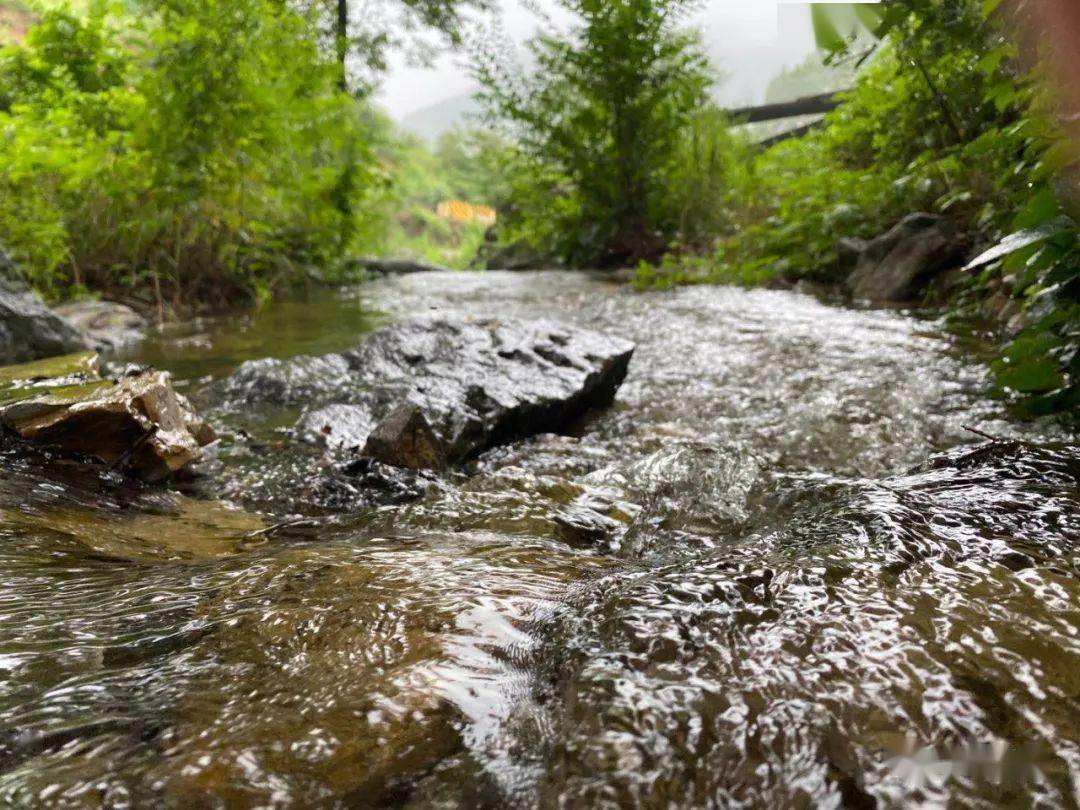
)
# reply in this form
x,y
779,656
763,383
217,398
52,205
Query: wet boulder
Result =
x,y
896,266
398,267
138,424
296,381
479,384
106,325
336,427
440,391
29,330
384,422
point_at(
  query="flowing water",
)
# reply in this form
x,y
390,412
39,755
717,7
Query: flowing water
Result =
x,y
778,572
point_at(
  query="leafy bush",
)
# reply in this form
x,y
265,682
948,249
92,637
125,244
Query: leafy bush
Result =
x,y
598,122
201,150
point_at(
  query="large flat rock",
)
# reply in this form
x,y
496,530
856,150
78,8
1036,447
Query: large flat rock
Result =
x,y
427,393
106,325
137,424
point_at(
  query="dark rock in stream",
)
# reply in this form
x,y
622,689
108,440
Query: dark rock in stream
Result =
x,y
477,384
396,267
29,330
895,266
431,394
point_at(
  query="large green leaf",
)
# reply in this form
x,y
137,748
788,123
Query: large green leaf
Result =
x,y
1022,239
826,33
871,16
1032,377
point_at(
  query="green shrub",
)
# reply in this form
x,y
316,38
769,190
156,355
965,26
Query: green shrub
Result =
x,y
598,124
201,150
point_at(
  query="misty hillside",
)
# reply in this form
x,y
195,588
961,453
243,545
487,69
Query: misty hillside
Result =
x,y
431,121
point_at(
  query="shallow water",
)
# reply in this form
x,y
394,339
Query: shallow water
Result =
x,y
754,581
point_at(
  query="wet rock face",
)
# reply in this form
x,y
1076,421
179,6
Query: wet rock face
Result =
x,y
405,439
139,424
391,419
441,391
28,329
895,266
396,267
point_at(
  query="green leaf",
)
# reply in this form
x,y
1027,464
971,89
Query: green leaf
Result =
x,y
1002,94
825,32
1043,207
869,15
1020,240
990,62
1033,377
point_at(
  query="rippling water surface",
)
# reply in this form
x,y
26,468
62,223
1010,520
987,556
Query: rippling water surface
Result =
x,y
777,572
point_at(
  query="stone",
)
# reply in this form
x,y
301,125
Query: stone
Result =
x,y
848,251
336,427
582,525
895,267
106,325
138,424
29,330
398,267
405,439
514,256
477,383
420,397
484,383
287,382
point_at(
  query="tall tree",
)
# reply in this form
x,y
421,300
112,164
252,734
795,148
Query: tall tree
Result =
x,y
603,111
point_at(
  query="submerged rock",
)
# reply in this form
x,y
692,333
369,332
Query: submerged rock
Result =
x,y
138,424
336,427
29,330
106,325
895,266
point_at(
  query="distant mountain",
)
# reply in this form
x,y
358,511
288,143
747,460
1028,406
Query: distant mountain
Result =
x,y
431,121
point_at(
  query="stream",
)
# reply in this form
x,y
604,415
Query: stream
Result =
x,y
777,572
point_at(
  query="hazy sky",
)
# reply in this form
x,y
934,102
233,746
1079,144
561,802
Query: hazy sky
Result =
x,y
750,40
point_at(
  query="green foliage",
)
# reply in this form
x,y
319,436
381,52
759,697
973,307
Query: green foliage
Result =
x,y
200,149
466,165
1027,160
599,122
706,162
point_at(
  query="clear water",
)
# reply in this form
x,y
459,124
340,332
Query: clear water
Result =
x,y
743,585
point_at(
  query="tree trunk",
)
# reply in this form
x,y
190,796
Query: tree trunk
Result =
x,y
341,31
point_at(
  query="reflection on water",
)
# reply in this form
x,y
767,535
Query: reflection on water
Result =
x,y
318,322
775,562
